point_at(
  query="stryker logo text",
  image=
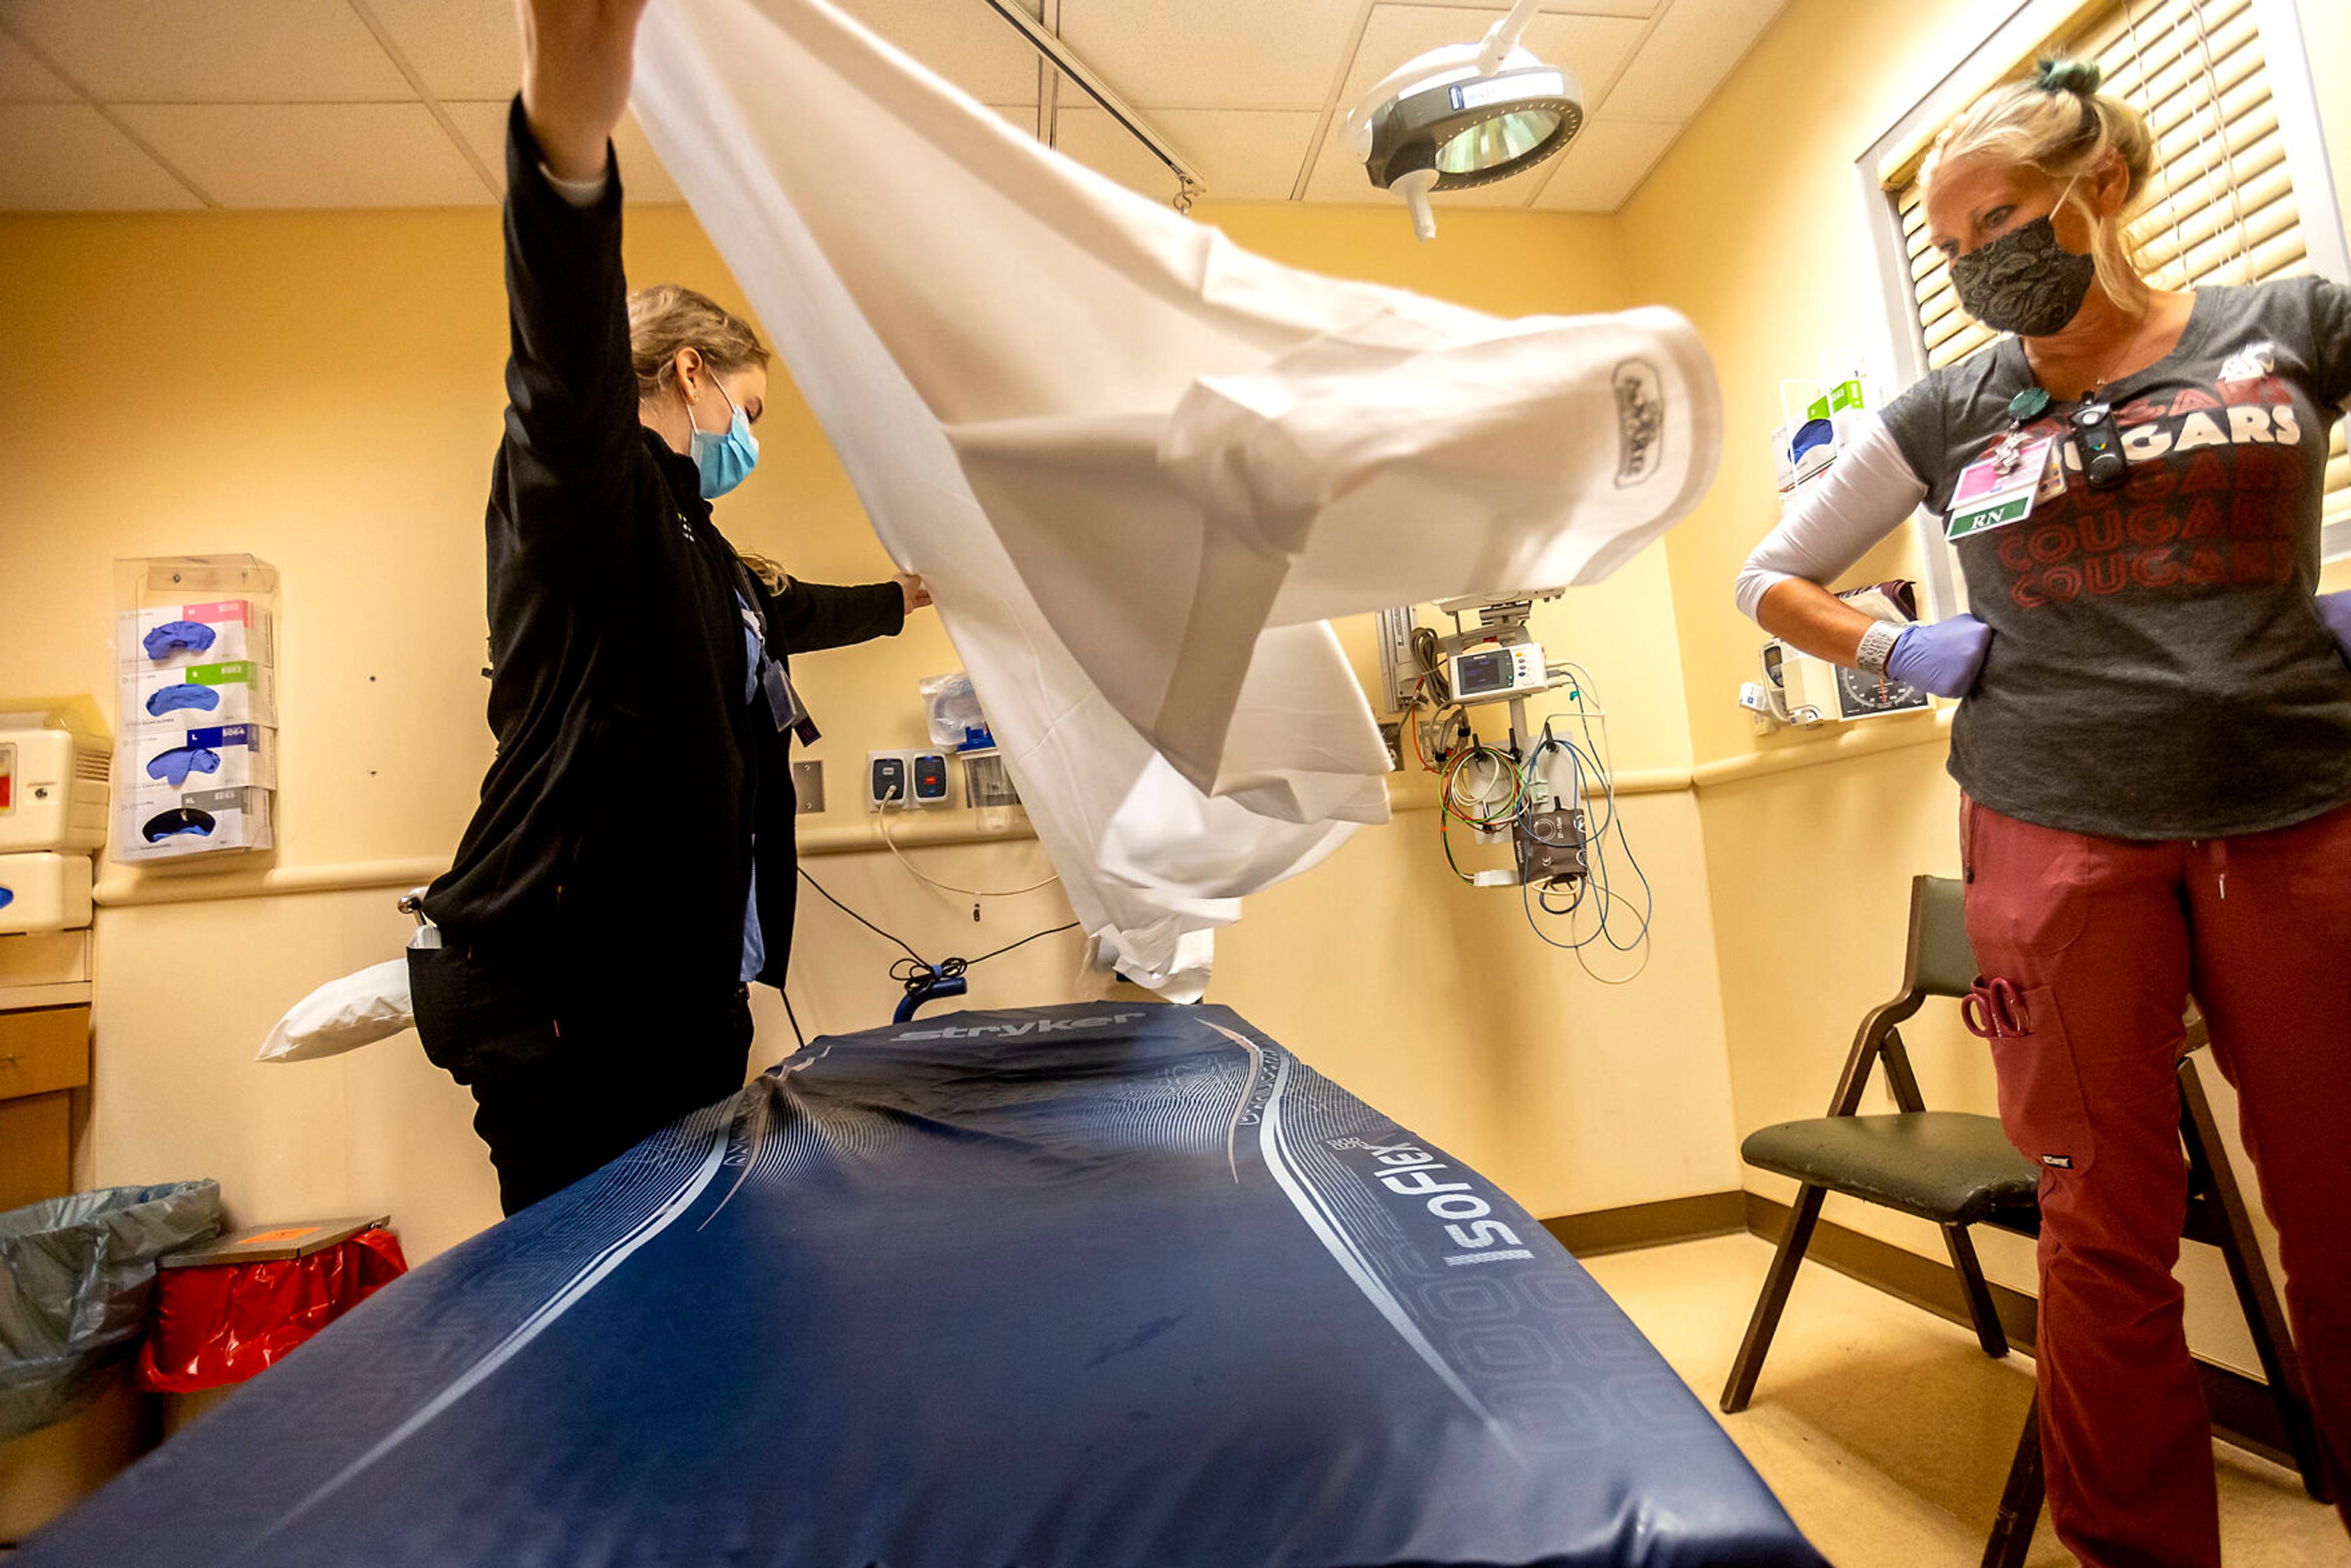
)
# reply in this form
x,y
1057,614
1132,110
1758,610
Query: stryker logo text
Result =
x,y
1014,1031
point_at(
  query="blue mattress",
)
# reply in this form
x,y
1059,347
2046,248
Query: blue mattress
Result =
x,y
1081,1287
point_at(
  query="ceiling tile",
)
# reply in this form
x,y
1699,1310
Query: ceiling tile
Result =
x,y
212,51
312,154
65,157
24,79
1605,164
484,127
1685,59
1212,54
1243,155
642,177
646,180
963,40
461,48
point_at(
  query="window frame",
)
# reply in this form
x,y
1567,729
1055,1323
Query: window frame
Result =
x,y
2028,26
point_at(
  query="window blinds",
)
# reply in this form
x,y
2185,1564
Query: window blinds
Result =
x,y
2222,207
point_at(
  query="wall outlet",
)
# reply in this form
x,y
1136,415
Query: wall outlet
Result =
x,y
905,780
885,780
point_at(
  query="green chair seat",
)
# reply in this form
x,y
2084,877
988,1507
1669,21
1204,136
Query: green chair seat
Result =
x,y
1948,1167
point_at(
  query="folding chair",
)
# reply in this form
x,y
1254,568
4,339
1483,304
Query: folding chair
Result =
x,y
1957,1169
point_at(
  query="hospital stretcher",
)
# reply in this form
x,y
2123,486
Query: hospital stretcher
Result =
x,y
1080,1287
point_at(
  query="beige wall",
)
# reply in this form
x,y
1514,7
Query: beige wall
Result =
x,y
323,391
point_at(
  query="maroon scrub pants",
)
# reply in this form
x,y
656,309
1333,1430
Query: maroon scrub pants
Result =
x,y
2106,939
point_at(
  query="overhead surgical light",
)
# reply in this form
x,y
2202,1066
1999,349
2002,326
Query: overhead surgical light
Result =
x,y
1466,114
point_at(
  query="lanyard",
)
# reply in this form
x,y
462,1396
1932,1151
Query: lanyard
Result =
x,y
784,704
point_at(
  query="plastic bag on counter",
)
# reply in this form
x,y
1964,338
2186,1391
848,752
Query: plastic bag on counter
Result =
x,y
76,1277
225,1322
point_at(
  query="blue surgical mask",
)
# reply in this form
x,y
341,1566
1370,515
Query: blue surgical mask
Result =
x,y
725,460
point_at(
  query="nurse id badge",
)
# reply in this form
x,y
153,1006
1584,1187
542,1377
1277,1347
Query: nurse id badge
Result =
x,y
1997,490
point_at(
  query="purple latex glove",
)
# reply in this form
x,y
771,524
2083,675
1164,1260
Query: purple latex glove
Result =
x,y
1940,656
2335,609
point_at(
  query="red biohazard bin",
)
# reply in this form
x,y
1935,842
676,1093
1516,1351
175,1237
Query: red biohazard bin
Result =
x,y
229,1309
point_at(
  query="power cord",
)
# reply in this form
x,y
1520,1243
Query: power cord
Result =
x,y
1424,648
1593,759
914,971
920,875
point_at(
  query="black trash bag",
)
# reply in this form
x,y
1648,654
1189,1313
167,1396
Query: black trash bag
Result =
x,y
76,1278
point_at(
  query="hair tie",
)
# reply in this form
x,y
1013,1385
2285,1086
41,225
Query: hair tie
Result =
x,y
2079,77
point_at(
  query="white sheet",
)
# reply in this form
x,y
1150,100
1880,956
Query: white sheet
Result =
x,y
1137,465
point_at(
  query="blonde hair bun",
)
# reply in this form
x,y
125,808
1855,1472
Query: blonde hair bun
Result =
x,y
2079,77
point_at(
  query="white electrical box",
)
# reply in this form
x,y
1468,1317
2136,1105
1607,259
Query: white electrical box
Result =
x,y
44,891
899,780
1505,670
52,786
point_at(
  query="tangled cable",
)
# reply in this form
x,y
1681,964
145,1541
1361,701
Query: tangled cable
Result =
x,y
1590,769
914,971
1489,789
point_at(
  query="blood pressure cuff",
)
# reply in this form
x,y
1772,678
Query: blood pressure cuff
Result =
x,y
1075,1287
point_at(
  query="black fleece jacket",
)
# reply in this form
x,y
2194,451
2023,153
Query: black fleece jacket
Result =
x,y
631,775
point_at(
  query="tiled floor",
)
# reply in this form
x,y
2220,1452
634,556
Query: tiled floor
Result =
x,y
1884,1430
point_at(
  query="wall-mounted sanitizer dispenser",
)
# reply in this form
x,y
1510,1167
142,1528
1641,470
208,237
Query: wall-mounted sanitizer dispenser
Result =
x,y
44,891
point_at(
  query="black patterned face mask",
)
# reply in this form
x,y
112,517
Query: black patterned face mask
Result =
x,y
2023,282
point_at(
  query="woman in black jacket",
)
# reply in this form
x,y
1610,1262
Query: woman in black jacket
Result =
x,y
629,868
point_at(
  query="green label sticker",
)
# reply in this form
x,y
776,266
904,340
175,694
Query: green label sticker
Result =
x,y
1983,519
228,674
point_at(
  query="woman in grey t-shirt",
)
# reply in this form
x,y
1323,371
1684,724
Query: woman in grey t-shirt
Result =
x,y
2154,743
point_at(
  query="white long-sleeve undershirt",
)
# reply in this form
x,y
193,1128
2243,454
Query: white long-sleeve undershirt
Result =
x,y
1836,518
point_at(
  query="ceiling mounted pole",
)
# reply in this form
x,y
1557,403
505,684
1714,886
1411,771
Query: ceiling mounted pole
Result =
x,y
1190,185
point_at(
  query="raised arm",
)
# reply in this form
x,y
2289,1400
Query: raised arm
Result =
x,y
577,59
572,415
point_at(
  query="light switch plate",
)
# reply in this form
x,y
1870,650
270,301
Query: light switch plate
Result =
x,y
808,787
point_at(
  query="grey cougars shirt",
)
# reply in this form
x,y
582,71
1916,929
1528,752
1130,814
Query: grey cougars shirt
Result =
x,y
2157,669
